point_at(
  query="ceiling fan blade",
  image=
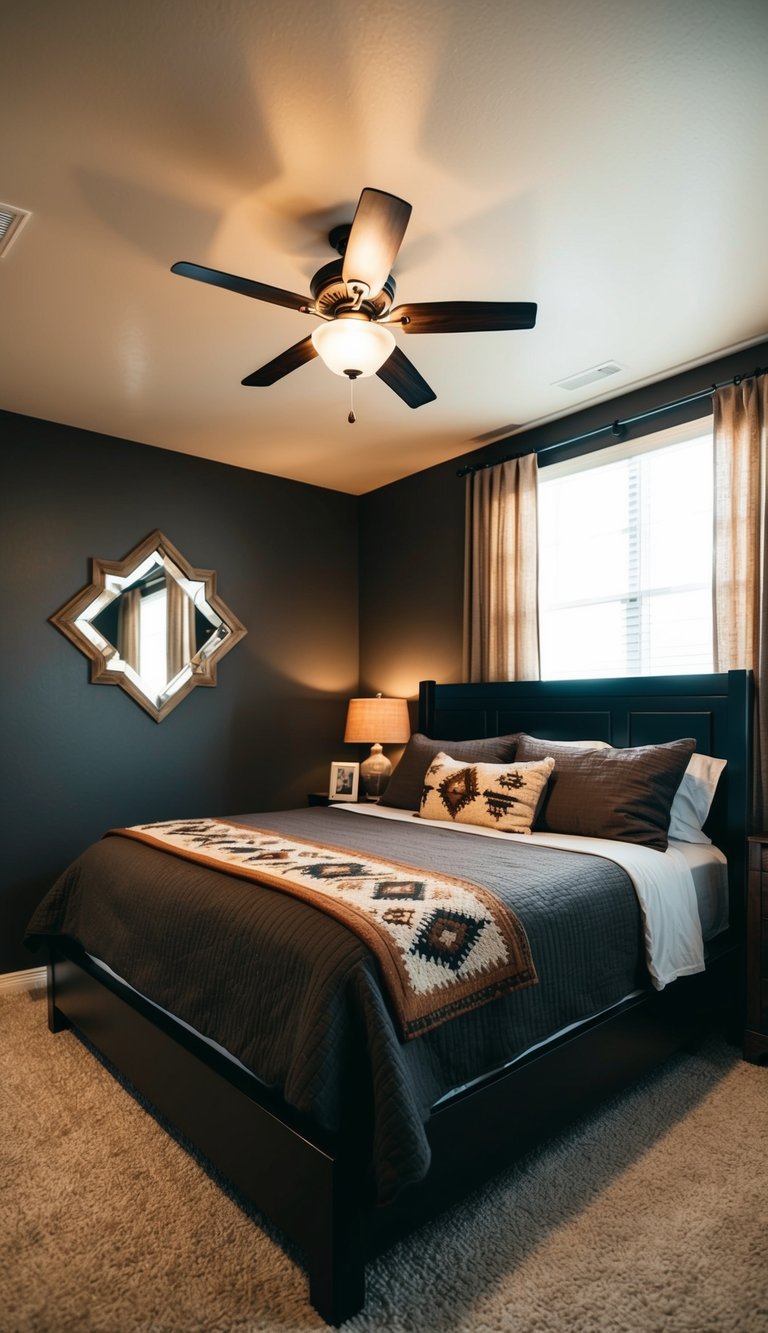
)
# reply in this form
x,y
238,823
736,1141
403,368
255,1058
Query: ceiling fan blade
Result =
x,y
282,365
245,286
378,228
400,374
464,316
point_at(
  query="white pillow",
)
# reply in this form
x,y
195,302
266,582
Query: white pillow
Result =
x,y
500,796
693,798
583,745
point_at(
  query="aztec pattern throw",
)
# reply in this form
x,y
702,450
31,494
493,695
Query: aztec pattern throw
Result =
x,y
444,946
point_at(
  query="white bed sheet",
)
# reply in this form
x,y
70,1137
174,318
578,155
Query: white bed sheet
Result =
x,y
679,891
709,869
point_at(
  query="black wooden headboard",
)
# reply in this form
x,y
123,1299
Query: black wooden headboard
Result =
x,y
643,710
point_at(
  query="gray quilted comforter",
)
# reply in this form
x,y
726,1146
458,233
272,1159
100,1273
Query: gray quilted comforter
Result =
x,y
296,996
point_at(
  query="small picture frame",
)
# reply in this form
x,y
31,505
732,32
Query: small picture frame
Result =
x,y
343,782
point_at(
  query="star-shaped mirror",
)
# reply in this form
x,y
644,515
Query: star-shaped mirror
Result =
x,y
152,624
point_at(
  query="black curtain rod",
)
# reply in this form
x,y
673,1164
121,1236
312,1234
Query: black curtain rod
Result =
x,y
617,428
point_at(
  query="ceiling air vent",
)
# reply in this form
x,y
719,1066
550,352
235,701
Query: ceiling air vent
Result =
x,y
11,222
585,377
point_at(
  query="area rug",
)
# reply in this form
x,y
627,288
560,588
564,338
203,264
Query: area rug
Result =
x,y
647,1217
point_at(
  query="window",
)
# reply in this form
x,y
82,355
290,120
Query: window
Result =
x,y
625,559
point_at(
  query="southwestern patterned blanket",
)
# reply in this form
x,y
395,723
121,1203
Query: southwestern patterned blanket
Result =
x,y
298,998
444,946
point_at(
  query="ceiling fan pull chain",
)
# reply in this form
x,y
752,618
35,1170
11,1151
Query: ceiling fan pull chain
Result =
x,y
353,374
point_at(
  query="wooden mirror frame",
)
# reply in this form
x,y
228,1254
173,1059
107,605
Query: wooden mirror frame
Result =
x,y
75,621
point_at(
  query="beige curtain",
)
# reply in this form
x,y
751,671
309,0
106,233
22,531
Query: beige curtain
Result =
x,y
501,612
180,627
740,573
128,627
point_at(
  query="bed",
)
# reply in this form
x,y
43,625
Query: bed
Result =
x,y
363,1120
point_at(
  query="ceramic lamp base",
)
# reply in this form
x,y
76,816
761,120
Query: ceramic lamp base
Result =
x,y
375,772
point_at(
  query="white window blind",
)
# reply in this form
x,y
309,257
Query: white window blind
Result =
x,y
625,559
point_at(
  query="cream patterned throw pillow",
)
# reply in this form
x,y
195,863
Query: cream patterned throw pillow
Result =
x,y
500,796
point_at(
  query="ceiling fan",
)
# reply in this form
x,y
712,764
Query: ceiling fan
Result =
x,y
353,295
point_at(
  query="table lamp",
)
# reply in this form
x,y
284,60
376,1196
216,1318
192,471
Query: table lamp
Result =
x,y
378,721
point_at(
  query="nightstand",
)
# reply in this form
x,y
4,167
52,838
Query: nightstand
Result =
x,y
318,798
756,1030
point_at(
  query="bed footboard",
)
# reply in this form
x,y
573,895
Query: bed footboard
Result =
x,y
299,1182
313,1191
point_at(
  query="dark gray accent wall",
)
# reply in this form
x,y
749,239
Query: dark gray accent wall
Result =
x,y
412,535
411,582
79,758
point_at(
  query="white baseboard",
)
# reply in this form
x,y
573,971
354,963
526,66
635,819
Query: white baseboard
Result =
x,y
32,978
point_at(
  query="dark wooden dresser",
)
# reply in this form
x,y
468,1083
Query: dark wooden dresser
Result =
x,y
756,1030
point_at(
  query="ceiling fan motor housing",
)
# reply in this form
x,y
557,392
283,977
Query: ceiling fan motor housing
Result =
x,y
331,294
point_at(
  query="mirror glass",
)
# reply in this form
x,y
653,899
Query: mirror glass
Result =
x,y
151,624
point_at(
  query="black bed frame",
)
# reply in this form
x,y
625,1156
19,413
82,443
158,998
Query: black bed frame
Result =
x,y
312,1186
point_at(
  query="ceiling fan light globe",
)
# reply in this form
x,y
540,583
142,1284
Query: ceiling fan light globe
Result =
x,y
353,347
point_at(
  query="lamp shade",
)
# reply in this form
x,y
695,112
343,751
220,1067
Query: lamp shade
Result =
x,y
382,720
353,346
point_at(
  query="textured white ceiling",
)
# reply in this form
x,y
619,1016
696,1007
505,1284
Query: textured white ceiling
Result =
x,y
605,158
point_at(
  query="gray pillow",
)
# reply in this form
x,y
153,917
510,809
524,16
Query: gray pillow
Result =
x,y
405,787
622,794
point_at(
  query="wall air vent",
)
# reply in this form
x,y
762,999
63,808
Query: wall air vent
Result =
x,y
11,222
591,376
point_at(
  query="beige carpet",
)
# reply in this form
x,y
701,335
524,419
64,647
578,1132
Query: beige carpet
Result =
x,y
649,1216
